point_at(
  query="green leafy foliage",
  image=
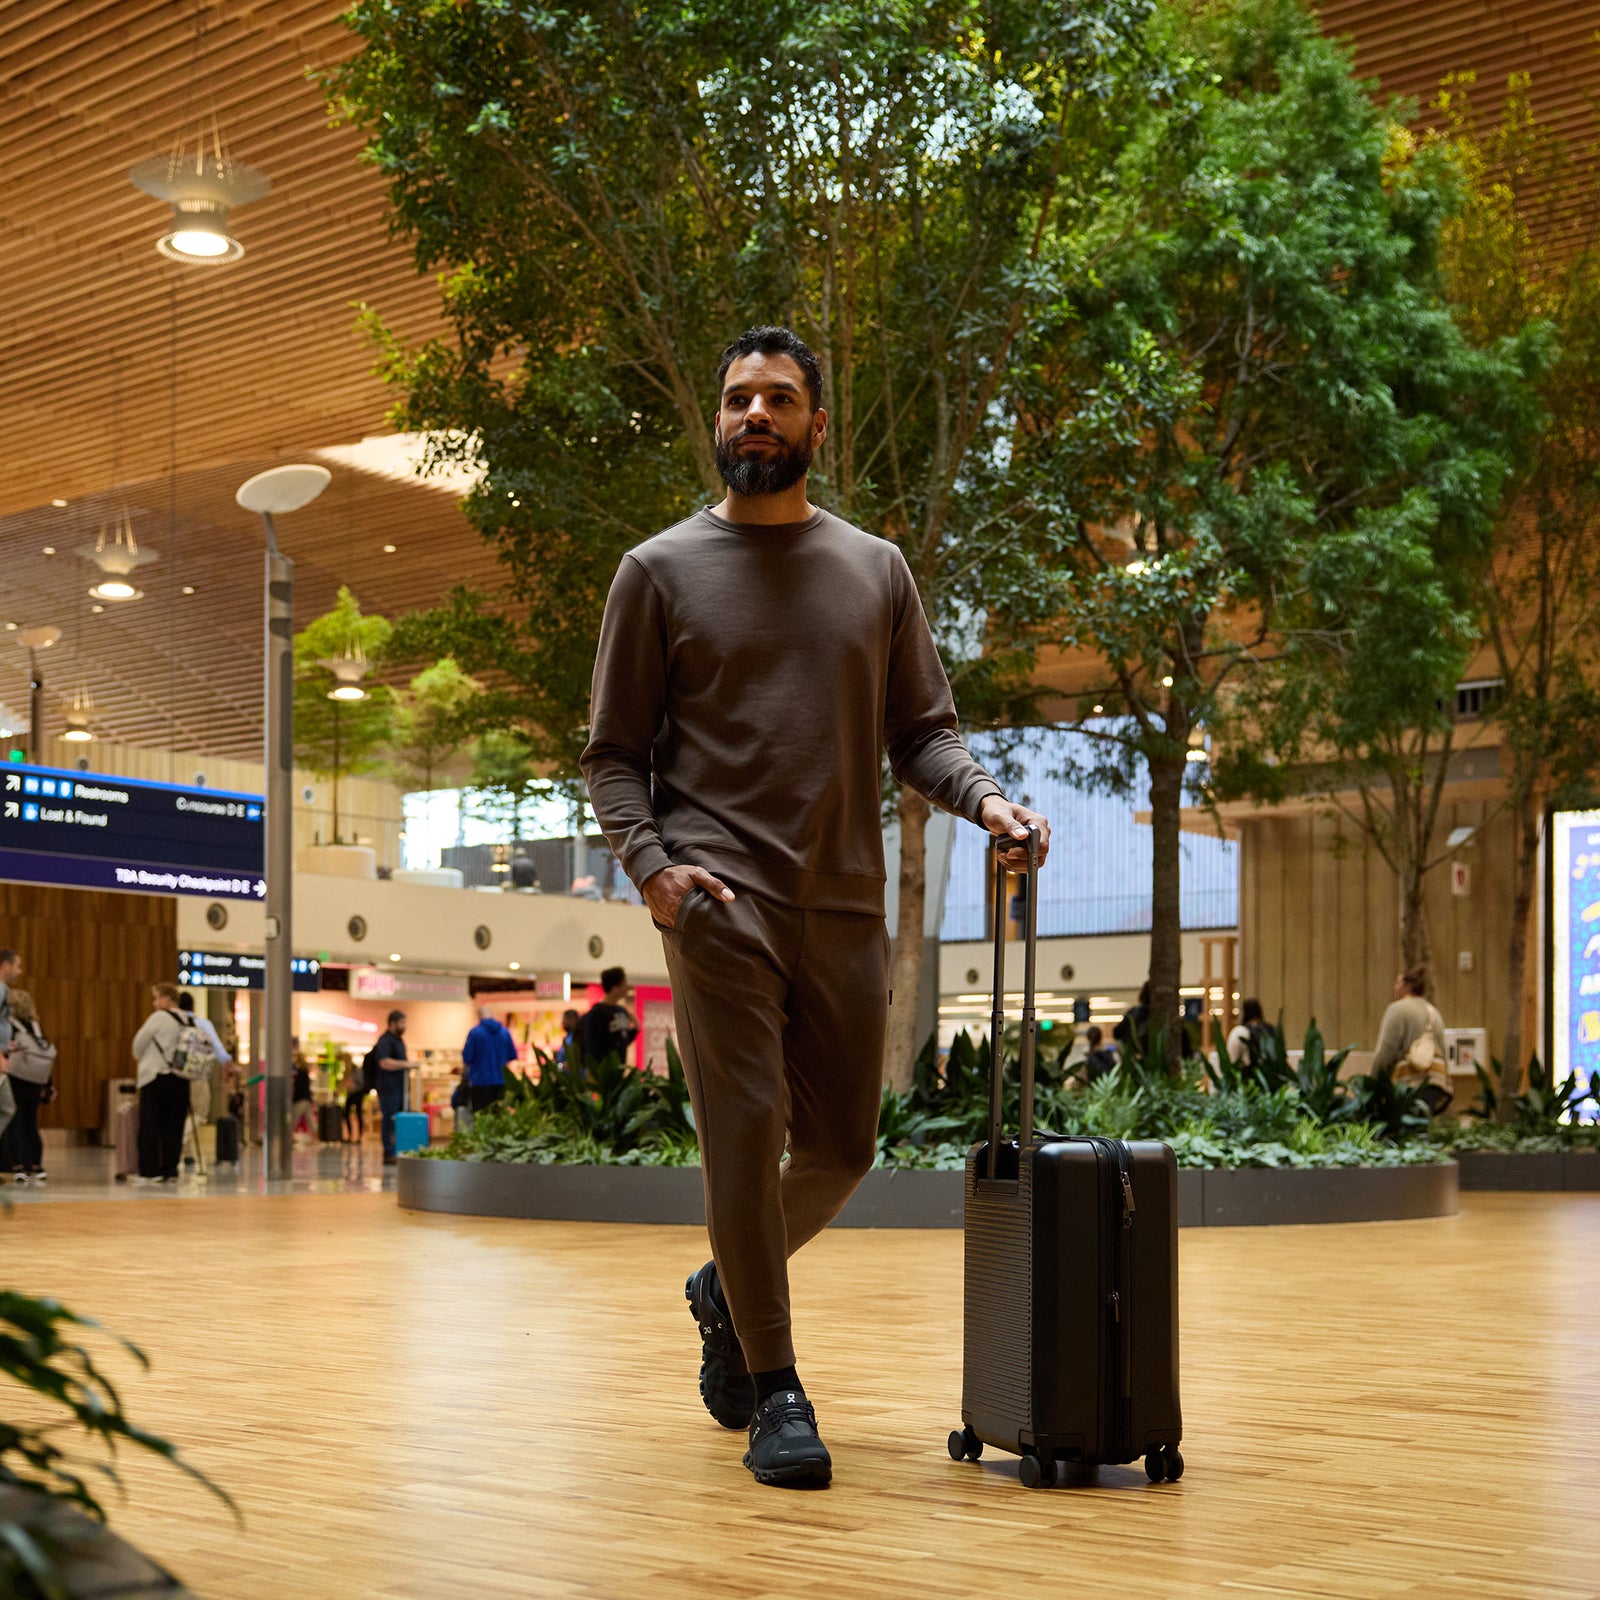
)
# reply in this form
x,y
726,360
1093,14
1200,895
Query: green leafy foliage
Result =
x,y
1545,1110
602,1112
42,1350
340,738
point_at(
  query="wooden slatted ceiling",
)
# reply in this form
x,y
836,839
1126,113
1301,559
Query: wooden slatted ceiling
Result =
x,y
268,361
1410,45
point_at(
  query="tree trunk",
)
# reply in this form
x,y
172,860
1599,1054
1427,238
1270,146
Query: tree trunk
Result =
x,y
905,980
1524,882
1166,919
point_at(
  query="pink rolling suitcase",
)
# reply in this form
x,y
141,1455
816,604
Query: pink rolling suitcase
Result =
x,y
125,1136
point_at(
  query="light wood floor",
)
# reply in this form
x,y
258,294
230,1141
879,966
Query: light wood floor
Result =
x,y
420,1408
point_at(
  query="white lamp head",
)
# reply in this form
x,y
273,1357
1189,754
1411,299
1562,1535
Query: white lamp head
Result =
x,y
280,490
37,638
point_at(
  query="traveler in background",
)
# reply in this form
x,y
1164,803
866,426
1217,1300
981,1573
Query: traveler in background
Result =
x,y
222,1054
163,1092
489,1050
354,1084
10,971
1411,1039
28,1067
385,1069
1243,1041
1133,1032
302,1108
571,1024
608,1027
1100,1059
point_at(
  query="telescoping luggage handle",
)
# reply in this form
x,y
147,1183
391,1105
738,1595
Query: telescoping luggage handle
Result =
x,y
1030,954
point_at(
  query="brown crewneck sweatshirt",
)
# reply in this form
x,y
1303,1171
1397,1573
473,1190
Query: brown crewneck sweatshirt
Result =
x,y
759,673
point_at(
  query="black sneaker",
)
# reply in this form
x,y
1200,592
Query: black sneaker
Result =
x,y
725,1382
785,1448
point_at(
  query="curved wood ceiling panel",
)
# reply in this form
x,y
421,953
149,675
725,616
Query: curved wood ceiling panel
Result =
x,y
266,356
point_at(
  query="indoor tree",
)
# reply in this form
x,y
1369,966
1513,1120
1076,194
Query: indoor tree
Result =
x,y
1260,408
340,738
427,723
1525,247
610,193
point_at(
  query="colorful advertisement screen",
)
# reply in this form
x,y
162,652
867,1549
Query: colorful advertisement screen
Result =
x,y
1575,923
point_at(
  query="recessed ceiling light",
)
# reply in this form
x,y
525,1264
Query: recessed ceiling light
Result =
x,y
97,609
11,627
58,502
388,549
516,966
394,955
49,549
188,588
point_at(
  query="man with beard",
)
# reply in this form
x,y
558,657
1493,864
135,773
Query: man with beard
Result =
x,y
756,661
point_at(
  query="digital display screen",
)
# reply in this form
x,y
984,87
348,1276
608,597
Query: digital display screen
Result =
x,y
1575,978
81,830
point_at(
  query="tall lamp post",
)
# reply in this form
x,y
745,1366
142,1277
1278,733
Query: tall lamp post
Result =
x,y
277,492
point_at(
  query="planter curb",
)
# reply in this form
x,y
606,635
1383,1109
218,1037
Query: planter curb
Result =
x,y
1531,1171
901,1198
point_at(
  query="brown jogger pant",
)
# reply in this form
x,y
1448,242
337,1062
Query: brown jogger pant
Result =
x,y
781,1015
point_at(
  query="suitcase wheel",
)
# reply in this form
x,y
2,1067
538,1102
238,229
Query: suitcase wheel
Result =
x,y
964,1444
1167,1462
1037,1474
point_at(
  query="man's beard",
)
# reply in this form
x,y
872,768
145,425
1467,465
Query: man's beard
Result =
x,y
768,474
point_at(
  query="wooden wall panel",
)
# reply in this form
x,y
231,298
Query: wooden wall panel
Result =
x,y
1319,924
89,960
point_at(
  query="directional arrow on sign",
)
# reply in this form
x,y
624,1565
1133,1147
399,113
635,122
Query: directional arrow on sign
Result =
x,y
12,808
261,888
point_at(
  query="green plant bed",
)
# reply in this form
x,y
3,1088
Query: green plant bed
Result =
x,y
1262,1115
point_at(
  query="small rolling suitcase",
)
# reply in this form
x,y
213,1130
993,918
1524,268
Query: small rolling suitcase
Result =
x,y
125,1137
330,1123
1071,1279
227,1140
410,1131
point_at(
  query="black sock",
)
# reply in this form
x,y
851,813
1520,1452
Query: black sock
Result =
x,y
771,1382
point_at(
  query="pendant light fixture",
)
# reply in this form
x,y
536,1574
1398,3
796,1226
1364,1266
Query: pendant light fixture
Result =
x,y
79,716
348,671
199,179
202,183
118,555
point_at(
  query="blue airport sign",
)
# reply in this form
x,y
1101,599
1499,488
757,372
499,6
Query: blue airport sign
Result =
x,y
228,969
81,830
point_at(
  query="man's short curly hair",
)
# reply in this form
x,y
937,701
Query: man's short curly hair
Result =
x,y
773,341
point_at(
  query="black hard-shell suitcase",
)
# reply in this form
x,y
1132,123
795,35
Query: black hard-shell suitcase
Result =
x,y
227,1139
1071,1292
330,1123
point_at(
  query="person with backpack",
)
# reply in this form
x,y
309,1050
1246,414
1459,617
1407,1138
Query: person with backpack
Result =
x,y
170,1051
385,1069
10,971
28,1067
1411,1040
1244,1041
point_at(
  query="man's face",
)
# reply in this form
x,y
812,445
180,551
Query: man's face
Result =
x,y
766,429
10,970
399,1025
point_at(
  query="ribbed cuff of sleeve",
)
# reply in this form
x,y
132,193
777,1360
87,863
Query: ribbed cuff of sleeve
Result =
x,y
645,863
972,800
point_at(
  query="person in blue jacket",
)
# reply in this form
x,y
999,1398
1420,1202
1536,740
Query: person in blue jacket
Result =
x,y
486,1054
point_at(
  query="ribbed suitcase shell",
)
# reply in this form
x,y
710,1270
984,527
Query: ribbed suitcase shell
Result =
x,y
1052,1364
1070,1347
